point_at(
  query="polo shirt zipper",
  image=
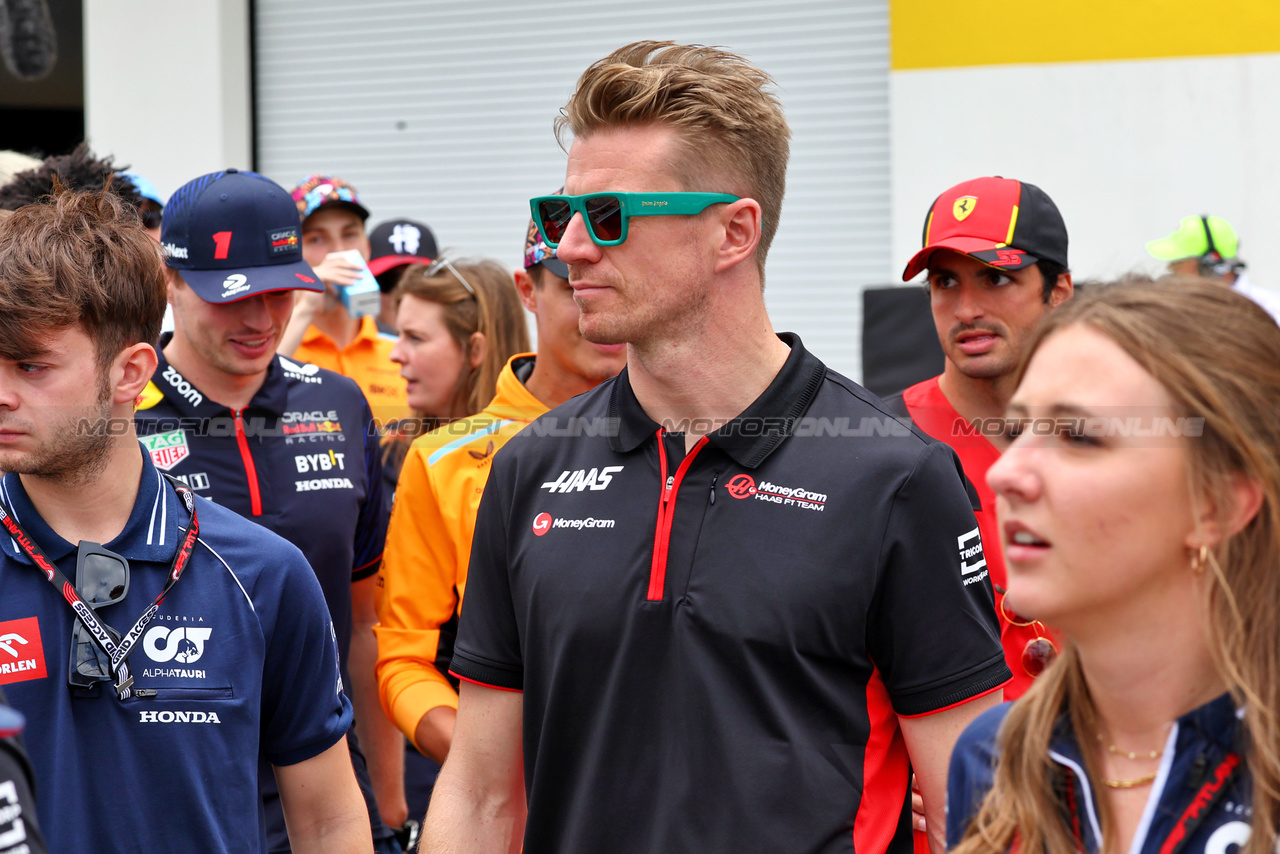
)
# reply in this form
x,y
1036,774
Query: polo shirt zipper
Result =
x,y
250,470
666,513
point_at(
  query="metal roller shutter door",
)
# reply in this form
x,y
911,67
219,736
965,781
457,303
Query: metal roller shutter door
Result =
x,y
443,112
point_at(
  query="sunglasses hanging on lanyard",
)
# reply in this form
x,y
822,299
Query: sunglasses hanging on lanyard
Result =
x,y
116,651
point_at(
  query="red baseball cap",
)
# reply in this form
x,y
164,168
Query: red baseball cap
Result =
x,y
1002,222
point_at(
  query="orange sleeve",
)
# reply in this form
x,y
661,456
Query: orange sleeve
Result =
x,y
420,574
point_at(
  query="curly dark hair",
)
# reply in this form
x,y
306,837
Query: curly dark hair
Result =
x,y
78,171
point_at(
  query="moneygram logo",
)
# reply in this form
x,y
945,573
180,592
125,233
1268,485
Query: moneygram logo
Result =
x,y
544,522
744,486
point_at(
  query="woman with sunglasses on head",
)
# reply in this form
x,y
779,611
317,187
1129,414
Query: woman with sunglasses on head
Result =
x,y
459,324
1140,508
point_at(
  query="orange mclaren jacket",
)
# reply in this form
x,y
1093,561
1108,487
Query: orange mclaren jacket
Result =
x,y
424,567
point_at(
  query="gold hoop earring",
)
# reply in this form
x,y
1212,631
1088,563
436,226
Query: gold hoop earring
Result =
x,y
1200,560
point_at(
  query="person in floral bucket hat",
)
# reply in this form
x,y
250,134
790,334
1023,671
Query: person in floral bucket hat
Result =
x,y
321,330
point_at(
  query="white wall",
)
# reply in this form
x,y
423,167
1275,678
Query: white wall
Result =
x,y
1125,148
167,86
443,112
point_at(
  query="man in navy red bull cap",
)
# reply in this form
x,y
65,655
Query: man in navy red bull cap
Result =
x,y
256,248
287,445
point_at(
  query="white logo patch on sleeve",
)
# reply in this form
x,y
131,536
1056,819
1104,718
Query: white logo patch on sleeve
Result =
x,y
972,558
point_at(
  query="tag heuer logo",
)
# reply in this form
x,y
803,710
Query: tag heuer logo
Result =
x,y
167,449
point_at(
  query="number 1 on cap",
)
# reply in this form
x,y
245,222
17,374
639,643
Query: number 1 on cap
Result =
x,y
221,245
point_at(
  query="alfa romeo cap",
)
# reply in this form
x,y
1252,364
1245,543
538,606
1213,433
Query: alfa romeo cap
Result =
x,y
1003,223
234,235
536,251
399,242
1191,240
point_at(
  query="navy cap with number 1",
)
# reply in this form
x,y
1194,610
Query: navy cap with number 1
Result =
x,y
233,235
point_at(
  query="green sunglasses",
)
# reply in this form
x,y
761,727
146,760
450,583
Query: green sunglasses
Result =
x,y
606,214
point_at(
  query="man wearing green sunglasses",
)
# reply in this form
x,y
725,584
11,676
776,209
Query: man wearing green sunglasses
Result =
x,y
693,618
607,214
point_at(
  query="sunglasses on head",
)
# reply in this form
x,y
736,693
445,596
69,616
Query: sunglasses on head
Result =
x,y
446,264
1039,652
607,214
102,578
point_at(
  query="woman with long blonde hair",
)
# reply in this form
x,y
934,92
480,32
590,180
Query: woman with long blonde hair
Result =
x,y
1139,505
459,323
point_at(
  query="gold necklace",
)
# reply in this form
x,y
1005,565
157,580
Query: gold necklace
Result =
x,y
1129,784
1131,754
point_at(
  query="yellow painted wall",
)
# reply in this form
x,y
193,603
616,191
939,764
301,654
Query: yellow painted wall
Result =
x,y
956,33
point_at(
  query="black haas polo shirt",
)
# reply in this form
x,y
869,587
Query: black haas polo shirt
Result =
x,y
714,647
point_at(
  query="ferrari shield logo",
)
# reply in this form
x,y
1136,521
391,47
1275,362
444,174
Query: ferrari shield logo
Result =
x,y
167,449
963,206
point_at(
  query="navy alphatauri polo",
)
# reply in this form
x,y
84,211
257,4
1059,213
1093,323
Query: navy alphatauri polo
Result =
x,y
715,647
240,660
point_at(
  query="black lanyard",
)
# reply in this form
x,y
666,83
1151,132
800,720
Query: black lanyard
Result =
x,y
1192,817
117,652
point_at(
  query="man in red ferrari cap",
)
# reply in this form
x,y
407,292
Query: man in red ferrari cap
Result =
x,y
995,251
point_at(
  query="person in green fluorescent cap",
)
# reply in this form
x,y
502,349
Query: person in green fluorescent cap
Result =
x,y
1208,246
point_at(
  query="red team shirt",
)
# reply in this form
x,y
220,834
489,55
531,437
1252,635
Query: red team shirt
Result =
x,y
934,414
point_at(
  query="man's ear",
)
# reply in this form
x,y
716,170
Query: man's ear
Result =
x,y
172,281
740,222
130,372
1063,289
527,290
